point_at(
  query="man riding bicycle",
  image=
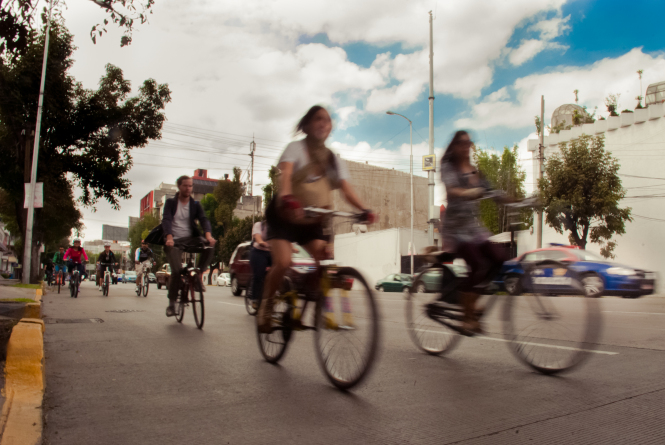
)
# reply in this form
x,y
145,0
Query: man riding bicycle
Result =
x,y
105,261
74,257
144,255
59,261
179,224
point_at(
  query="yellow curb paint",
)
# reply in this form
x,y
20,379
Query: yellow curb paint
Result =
x,y
33,310
24,384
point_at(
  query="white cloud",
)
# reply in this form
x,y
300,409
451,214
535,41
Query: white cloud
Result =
x,y
530,48
552,28
595,82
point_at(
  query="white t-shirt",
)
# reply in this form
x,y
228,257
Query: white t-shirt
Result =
x,y
263,231
181,227
296,153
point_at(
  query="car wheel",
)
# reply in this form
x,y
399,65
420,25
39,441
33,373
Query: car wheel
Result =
x,y
421,289
593,285
380,289
512,285
235,287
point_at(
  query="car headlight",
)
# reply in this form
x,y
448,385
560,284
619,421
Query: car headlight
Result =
x,y
620,271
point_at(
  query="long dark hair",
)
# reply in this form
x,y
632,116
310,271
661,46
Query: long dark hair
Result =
x,y
306,119
449,155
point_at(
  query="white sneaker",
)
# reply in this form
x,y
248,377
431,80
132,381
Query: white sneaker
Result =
x,y
100,288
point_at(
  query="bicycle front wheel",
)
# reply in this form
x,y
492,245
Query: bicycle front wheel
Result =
x,y
106,286
146,286
347,328
197,307
555,324
427,334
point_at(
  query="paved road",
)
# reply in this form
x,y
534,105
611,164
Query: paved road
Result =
x,y
140,378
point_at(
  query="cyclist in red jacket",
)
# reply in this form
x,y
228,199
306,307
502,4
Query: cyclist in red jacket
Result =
x,y
75,256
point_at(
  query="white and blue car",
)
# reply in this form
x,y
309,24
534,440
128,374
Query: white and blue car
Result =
x,y
607,277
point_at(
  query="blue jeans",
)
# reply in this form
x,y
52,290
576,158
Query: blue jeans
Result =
x,y
259,260
62,268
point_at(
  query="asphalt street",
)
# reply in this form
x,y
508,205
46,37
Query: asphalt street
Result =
x,y
124,373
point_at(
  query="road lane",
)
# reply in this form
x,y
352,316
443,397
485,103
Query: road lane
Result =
x,y
140,377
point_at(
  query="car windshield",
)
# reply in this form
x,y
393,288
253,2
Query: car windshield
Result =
x,y
301,253
405,277
130,274
585,255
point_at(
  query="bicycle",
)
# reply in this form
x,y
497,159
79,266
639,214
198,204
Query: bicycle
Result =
x,y
59,279
339,331
106,281
190,286
74,283
532,322
145,281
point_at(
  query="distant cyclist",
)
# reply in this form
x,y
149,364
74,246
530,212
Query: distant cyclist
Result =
x,y
310,171
59,262
106,261
179,224
74,257
143,255
259,259
48,270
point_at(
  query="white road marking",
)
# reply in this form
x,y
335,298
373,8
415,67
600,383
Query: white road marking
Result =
x,y
645,313
232,304
533,344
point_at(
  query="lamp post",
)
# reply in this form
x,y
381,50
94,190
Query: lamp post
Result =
x,y
411,174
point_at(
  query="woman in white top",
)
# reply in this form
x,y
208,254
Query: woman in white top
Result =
x,y
309,174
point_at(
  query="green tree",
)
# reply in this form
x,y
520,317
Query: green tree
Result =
x,y
17,21
87,135
581,191
269,190
240,231
227,194
504,173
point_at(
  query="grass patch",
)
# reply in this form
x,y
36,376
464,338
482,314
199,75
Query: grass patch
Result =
x,y
16,300
27,286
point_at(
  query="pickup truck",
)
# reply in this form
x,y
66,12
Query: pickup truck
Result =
x,y
163,276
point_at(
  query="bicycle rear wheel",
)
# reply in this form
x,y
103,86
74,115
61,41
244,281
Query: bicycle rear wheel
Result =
x,y
347,328
197,307
428,334
59,280
554,325
273,345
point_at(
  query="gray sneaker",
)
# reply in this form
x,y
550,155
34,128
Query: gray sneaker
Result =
x,y
170,311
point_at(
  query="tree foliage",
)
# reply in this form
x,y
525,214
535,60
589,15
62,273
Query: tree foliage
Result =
x,y
269,190
86,135
240,231
581,191
504,173
17,21
227,194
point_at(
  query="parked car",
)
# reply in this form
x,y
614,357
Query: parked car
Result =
x,y
431,281
152,278
240,272
224,279
129,277
607,277
395,282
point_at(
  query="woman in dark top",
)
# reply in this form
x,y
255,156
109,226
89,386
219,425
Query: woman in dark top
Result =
x,y
461,228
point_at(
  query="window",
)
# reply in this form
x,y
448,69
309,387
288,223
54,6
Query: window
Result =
x,y
244,254
556,255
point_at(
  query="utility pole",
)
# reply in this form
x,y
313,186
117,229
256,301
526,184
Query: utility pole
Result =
x,y
252,147
541,154
27,249
430,174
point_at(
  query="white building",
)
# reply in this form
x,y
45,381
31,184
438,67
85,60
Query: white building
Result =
x,y
637,140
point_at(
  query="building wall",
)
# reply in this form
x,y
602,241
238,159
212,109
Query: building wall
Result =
x,y
386,192
637,140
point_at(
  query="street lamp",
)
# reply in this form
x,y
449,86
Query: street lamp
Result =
x,y
411,173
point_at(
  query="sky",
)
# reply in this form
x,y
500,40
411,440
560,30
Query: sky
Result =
x,y
246,69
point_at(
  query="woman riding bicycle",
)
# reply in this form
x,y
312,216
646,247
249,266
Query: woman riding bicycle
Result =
x,y
462,231
310,171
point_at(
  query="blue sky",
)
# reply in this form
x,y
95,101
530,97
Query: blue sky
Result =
x,y
247,68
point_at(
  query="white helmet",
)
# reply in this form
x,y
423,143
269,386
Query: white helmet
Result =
x,y
107,243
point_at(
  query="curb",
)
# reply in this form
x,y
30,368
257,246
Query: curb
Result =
x,y
21,419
